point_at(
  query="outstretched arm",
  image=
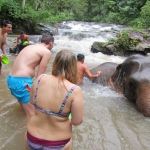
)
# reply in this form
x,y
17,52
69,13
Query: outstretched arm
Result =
x,y
89,74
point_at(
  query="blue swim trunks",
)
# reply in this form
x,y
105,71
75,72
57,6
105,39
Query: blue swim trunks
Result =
x,y
20,88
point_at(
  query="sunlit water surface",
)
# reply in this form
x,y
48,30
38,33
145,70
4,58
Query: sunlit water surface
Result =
x,y
110,121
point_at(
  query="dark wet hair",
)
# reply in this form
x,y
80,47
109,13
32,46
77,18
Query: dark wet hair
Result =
x,y
21,32
80,57
4,23
47,38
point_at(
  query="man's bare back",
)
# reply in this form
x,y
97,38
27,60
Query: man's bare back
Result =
x,y
29,58
23,70
83,69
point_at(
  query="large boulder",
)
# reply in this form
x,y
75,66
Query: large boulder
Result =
x,y
144,41
127,43
46,29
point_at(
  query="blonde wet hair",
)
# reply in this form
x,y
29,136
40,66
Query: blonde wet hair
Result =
x,y
65,66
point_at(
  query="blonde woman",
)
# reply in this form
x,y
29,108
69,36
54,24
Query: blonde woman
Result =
x,y
54,97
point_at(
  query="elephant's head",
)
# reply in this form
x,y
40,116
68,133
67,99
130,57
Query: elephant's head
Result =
x,y
132,78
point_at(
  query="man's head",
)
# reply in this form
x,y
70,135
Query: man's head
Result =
x,y
6,26
80,57
48,39
22,34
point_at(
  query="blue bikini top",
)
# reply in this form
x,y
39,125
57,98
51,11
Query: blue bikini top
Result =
x,y
59,113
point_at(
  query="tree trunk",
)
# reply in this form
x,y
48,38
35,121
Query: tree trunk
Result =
x,y
23,3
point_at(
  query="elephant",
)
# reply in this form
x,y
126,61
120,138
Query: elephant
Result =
x,y
130,78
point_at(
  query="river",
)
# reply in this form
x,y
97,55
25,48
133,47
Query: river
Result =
x,y
111,122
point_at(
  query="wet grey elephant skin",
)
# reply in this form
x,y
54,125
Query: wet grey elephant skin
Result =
x,y
131,78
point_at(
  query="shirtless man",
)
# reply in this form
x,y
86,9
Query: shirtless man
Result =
x,y
22,37
20,77
83,69
6,27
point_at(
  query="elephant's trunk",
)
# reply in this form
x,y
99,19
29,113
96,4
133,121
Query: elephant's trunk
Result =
x,y
143,99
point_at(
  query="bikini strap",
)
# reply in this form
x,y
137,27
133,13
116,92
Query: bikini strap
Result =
x,y
66,98
37,86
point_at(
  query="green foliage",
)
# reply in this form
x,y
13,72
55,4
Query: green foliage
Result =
x,y
128,12
113,18
145,14
123,40
134,42
9,11
105,44
58,18
136,23
145,35
32,18
1,3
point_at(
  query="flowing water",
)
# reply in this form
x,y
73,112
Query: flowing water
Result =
x,y
110,121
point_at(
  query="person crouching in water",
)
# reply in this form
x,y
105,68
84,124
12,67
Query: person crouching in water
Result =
x,y
83,69
22,38
54,97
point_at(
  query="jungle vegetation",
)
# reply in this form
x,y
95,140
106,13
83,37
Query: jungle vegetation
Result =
x,y
28,13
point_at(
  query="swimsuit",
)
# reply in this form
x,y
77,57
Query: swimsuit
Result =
x,y
59,114
20,47
19,87
42,144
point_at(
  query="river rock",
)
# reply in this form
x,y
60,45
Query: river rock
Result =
x,y
139,42
46,29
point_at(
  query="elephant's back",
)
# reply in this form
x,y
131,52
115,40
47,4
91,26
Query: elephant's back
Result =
x,y
107,69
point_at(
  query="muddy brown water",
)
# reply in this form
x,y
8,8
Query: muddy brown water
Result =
x,y
110,121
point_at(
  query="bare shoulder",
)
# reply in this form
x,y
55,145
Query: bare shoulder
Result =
x,y
81,66
26,35
85,67
45,51
45,78
39,48
36,49
77,89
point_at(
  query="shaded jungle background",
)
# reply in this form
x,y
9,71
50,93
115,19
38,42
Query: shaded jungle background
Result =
x,y
27,14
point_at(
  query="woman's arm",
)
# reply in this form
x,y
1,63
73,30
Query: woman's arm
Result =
x,y
77,107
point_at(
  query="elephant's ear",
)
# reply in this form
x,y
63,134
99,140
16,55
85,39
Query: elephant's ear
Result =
x,y
118,67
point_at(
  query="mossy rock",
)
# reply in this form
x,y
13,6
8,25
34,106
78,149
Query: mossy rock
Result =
x,y
127,42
